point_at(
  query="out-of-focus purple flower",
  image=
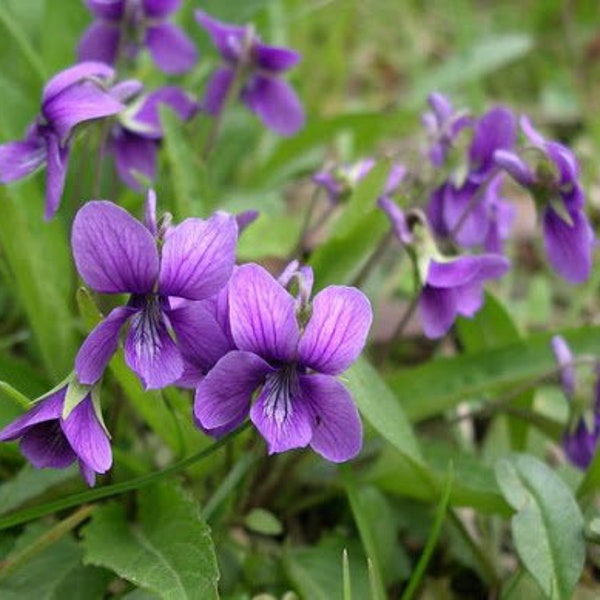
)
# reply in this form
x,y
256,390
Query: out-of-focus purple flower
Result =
x,y
472,211
124,27
263,91
116,254
340,182
443,125
449,286
49,440
135,139
290,364
554,185
71,97
581,437
455,287
564,358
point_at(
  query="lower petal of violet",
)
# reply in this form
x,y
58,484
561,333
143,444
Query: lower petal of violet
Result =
x,y
171,49
437,308
275,103
281,414
45,445
569,247
337,431
149,349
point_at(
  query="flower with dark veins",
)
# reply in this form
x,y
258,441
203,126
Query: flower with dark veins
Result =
x,y
115,254
289,356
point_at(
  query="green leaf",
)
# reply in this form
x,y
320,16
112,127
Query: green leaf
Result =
x,y
381,409
317,572
478,60
493,327
168,551
188,170
29,483
548,527
433,388
373,517
264,522
54,574
355,234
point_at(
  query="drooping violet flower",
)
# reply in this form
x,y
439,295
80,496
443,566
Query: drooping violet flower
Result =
x,y
114,253
580,440
49,440
259,67
290,357
124,27
555,187
340,182
135,139
443,125
465,208
449,286
73,96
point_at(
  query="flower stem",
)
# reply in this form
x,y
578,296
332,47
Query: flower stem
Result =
x,y
18,559
136,483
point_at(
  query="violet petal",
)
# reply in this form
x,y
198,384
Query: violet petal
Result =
x,y
227,390
276,103
172,50
198,257
337,433
262,314
337,330
100,41
113,251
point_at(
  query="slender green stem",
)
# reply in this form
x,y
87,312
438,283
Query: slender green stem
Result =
x,y
14,30
434,534
363,274
18,559
406,317
298,250
36,512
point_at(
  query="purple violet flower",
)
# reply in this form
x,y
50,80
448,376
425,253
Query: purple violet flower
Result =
x,y
450,286
443,125
291,361
263,91
581,437
467,210
115,254
135,139
49,440
126,26
340,182
71,97
554,185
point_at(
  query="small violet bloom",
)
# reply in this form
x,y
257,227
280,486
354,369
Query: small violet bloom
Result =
x,y
443,125
49,440
71,97
135,139
260,66
568,235
340,182
472,211
126,26
116,254
450,286
288,353
581,438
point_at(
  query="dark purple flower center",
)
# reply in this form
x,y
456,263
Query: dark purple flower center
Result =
x,y
280,389
148,323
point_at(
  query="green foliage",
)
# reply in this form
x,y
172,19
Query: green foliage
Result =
x,y
168,551
548,526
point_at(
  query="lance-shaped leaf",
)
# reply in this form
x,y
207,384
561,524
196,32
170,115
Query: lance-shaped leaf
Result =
x,y
548,526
